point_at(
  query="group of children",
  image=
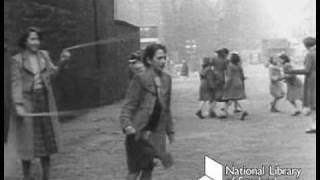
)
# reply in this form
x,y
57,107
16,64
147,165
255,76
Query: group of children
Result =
x,y
222,81
277,68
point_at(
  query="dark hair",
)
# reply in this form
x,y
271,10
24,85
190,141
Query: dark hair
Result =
x,y
271,61
285,58
235,59
223,52
151,50
205,62
136,56
25,35
309,42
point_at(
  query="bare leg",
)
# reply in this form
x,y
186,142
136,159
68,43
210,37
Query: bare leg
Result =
x,y
237,107
45,163
212,107
314,119
274,104
314,122
199,112
26,166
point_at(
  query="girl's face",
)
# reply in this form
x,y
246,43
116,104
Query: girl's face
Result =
x,y
159,60
33,42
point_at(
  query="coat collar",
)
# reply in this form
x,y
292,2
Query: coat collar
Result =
x,y
149,81
27,63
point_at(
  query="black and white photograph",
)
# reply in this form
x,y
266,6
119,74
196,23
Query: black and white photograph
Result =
x,y
160,90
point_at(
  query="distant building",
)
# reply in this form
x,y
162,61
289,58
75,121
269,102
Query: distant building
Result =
x,y
145,14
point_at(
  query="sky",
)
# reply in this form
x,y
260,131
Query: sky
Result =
x,y
286,15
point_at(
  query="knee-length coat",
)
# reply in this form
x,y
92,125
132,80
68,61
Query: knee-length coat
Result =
x,y
234,88
207,84
220,66
310,83
294,85
22,78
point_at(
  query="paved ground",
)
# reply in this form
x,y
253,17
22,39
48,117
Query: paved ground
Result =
x,y
94,147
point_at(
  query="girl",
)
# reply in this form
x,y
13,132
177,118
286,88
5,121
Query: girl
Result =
x,y
206,86
294,85
37,137
234,88
276,87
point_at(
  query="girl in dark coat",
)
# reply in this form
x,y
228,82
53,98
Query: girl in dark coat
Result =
x,y
207,86
294,85
220,64
146,117
234,88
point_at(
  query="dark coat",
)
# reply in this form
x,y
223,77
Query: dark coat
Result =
x,y
22,84
140,102
310,83
234,86
207,84
184,70
294,84
220,66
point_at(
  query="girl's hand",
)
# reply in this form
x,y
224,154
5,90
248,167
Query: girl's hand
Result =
x,y
65,55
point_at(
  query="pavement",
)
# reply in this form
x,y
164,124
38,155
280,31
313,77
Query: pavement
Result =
x,y
94,150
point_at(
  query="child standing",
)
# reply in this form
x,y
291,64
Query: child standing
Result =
x,y
294,85
234,88
276,86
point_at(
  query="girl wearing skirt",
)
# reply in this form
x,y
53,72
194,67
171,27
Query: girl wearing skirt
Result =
x,y
31,69
206,91
234,88
294,85
276,86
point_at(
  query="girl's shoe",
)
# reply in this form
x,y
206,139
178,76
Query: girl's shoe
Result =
x,y
199,114
274,110
212,114
311,131
297,113
244,115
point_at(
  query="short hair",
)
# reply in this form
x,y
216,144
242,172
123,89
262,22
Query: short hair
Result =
x,y
271,61
309,42
235,59
151,50
205,62
25,35
285,58
136,56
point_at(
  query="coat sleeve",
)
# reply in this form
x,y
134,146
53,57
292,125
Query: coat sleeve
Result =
x,y
170,126
211,79
16,82
307,67
54,70
132,101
